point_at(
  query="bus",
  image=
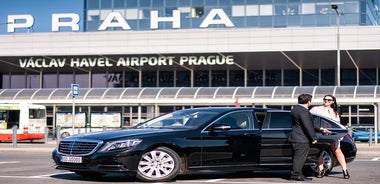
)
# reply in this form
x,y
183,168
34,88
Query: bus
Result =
x,y
30,120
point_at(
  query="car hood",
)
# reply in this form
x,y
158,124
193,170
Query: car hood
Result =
x,y
116,134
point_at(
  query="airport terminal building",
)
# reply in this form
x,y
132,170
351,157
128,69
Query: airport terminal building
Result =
x,y
147,57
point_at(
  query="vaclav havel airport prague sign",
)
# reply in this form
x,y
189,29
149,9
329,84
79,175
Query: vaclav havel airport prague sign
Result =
x,y
125,61
114,20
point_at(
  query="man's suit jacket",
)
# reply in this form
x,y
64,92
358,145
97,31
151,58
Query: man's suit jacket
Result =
x,y
302,126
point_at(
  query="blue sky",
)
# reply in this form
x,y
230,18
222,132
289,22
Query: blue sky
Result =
x,y
41,10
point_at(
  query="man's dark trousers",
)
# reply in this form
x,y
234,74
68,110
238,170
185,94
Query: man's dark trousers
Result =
x,y
300,152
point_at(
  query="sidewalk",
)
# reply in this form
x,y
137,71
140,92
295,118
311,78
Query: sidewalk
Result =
x,y
37,146
365,150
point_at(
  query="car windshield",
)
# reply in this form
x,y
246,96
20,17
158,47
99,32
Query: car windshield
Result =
x,y
179,119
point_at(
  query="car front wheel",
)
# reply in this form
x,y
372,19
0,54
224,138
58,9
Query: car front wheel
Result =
x,y
160,164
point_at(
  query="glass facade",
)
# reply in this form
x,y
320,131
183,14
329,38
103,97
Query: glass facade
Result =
x,y
212,78
138,14
242,13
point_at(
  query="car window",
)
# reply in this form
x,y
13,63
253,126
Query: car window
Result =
x,y
325,123
239,120
184,119
277,120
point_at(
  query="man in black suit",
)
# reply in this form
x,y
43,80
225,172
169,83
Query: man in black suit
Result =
x,y
301,136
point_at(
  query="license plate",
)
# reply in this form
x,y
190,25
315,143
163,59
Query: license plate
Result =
x,y
71,159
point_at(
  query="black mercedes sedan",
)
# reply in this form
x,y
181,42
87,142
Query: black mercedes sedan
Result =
x,y
212,138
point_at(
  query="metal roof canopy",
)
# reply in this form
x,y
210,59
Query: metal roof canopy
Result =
x,y
271,95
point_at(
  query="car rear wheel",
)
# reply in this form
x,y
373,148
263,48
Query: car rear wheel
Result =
x,y
160,164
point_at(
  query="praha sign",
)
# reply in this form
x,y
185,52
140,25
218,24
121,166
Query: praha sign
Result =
x,y
126,61
115,20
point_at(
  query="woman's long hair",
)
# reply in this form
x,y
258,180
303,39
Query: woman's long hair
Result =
x,y
334,105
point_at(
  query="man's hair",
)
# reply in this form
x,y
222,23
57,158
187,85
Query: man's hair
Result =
x,y
304,98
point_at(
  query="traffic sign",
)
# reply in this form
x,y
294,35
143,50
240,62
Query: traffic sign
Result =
x,y
75,89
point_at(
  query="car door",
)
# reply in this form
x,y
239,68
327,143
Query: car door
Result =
x,y
337,130
231,141
276,126
275,148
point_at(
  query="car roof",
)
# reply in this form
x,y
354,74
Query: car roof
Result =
x,y
231,109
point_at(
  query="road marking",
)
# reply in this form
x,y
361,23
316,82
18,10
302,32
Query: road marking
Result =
x,y
214,180
10,162
376,159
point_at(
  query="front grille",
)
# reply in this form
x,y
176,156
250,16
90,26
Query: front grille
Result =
x,y
77,147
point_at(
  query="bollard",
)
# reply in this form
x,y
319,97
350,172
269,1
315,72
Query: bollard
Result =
x,y
58,133
14,136
370,137
46,135
104,128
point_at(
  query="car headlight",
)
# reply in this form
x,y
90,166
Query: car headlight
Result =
x,y
120,144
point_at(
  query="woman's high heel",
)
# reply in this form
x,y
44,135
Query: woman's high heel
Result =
x,y
345,174
321,173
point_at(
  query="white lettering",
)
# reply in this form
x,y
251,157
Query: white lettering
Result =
x,y
74,62
192,60
22,62
102,62
201,60
176,19
170,59
161,61
58,62
114,19
183,60
90,62
213,60
143,60
38,65
126,61
19,21
121,62
153,61
84,62
223,19
42,63
209,60
230,59
56,23
135,61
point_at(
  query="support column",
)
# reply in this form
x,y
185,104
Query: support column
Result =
x,y
376,120
150,112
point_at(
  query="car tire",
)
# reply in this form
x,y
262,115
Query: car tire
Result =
x,y
329,162
160,164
